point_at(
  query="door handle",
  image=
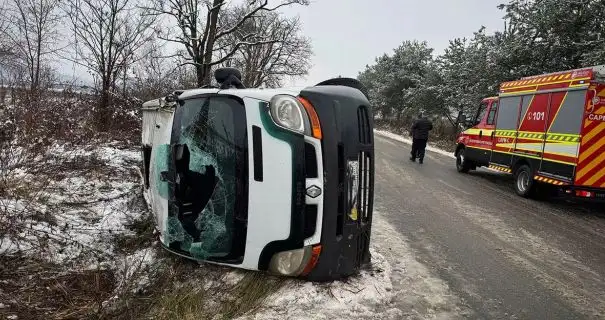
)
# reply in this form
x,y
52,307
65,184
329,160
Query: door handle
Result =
x,y
480,134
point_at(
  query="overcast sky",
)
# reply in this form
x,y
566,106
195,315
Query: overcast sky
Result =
x,y
348,34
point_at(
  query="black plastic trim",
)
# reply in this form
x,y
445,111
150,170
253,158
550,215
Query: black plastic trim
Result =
x,y
257,152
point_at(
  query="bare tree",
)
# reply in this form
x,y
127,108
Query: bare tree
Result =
x,y
268,64
32,32
198,33
108,34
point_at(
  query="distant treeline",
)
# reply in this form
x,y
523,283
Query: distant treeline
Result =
x,y
538,37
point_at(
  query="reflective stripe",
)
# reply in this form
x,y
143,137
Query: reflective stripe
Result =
x,y
549,180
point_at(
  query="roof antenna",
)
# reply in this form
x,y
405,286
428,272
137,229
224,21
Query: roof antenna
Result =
x,y
229,78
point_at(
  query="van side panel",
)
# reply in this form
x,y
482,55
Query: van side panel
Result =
x,y
591,161
157,131
562,136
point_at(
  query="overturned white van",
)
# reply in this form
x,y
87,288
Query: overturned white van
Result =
x,y
263,179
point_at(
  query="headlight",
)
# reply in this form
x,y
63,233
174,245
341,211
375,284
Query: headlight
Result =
x,y
289,113
290,263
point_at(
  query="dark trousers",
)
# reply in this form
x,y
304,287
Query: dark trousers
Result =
x,y
418,149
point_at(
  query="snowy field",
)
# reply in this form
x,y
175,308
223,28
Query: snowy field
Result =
x,y
67,214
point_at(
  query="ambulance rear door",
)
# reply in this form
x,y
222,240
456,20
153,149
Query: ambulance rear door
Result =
x,y
591,161
562,138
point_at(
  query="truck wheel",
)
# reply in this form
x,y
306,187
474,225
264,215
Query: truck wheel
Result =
x,y
524,181
462,164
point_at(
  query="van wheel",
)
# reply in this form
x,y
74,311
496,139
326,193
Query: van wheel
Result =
x,y
462,164
524,181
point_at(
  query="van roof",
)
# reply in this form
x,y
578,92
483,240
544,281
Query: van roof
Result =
x,y
594,71
563,79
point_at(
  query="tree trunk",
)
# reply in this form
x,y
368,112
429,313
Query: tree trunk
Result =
x,y
201,76
104,103
204,77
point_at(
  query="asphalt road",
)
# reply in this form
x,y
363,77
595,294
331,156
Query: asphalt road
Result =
x,y
504,257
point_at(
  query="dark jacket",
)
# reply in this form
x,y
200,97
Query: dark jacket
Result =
x,y
421,128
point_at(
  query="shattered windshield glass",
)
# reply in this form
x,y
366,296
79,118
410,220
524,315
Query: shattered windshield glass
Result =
x,y
209,151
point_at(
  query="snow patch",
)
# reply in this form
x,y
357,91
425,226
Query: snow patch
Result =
x,y
357,297
406,140
81,209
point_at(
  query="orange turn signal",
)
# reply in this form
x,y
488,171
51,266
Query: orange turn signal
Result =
x,y
313,260
315,126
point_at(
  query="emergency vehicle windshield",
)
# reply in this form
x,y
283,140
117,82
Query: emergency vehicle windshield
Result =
x,y
210,135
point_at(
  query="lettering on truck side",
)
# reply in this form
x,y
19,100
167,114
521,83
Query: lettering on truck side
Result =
x,y
596,117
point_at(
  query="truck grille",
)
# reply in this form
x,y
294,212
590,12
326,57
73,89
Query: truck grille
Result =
x,y
363,120
341,190
365,185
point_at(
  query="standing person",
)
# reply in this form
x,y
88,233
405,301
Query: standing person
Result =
x,y
420,135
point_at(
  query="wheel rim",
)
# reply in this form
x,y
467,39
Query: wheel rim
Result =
x,y
523,181
460,159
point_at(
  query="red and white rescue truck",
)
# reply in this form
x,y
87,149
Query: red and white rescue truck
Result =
x,y
547,130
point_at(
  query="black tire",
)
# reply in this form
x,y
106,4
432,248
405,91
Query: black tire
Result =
x,y
462,164
525,186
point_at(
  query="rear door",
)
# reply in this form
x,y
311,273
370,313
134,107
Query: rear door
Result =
x,y
591,161
563,133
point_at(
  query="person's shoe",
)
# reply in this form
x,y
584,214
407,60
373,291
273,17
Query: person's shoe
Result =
x,y
413,159
421,161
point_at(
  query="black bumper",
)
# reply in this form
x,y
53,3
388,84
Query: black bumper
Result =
x,y
569,193
347,125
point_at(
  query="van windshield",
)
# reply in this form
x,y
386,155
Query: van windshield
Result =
x,y
210,161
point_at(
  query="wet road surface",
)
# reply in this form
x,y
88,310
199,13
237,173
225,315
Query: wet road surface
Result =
x,y
504,257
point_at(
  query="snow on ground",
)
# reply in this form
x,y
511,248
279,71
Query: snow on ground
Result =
x,y
407,140
86,200
397,286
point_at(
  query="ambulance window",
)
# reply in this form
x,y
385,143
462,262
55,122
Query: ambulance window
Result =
x,y
526,101
491,118
569,118
482,111
508,113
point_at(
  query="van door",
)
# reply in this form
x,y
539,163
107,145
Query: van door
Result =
x,y
532,126
563,133
591,161
507,119
489,130
480,137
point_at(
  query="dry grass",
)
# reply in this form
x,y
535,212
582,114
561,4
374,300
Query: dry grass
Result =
x,y
35,289
218,298
182,289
